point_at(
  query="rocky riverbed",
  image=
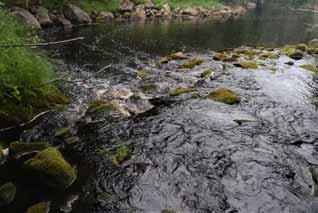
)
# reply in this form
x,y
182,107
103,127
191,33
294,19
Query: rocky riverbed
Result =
x,y
227,131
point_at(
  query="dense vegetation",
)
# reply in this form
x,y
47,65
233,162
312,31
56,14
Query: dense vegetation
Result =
x,y
23,73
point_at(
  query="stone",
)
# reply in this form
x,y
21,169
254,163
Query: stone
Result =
x,y
149,4
50,167
166,11
43,207
246,64
313,43
296,55
61,20
140,12
7,193
42,15
76,15
26,17
18,149
250,5
191,63
178,56
224,95
190,12
126,6
105,16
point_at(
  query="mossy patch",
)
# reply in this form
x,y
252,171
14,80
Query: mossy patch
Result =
x,y
312,51
182,90
220,57
224,95
148,86
120,155
42,207
72,140
309,67
142,74
21,148
50,166
292,52
98,106
245,51
7,193
268,55
246,64
206,73
168,211
301,47
62,131
297,55
191,63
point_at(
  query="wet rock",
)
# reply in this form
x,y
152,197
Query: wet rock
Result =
x,y
76,15
126,6
178,56
26,17
142,74
297,55
61,20
42,15
220,57
7,193
246,64
206,73
309,67
164,60
301,47
139,13
62,131
105,16
268,55
313,43
148,86
18,149
224,95
99,106
166,11
50,166
191,63
290,63
312,50
43,207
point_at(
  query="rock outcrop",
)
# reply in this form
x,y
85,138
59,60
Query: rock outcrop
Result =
x,y
76,15
26,17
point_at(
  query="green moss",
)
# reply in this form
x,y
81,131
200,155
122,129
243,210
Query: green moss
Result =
x,y
191,63
20,148
42,207
224,95
168,211
148,86
7,193
312,51
301,47
309,67
287,50
98,106
72,140
50,166
182,90
249,52
268,55
62,132
292,52
119,155
142,74
220,57
246,64
297,55
206,73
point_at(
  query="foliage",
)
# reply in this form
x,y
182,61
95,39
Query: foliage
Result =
x,y
23,73
189,3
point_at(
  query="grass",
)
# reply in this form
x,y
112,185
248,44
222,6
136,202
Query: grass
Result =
x,y
22,74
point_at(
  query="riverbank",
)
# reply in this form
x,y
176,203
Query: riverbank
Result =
x,y
44,15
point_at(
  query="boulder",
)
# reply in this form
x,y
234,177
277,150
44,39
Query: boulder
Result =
x,y
126,6
50,167
224,95
76,15
42,15
313,43
61,20
166,11
105,16
7,193
26,17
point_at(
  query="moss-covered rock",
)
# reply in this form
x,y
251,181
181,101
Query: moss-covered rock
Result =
x,y
168,211
309,67
246,64
50,166
312,51
7,193
18,148
43,207
182,90
62,131
206,73
120,155
142,74
224,95
178,56
191,63
245,51
313,43
268,55
72,140
301,47
148,86
164,60
297,55
99,106
220,57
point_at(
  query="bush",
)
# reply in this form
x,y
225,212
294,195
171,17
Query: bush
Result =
x,y
23,72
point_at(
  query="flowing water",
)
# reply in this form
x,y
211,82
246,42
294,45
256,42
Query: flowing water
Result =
x,y
185,153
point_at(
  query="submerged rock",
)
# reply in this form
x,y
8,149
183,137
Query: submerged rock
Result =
x,y
43,207
7,193
182,90
50,166
224,95
18,149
